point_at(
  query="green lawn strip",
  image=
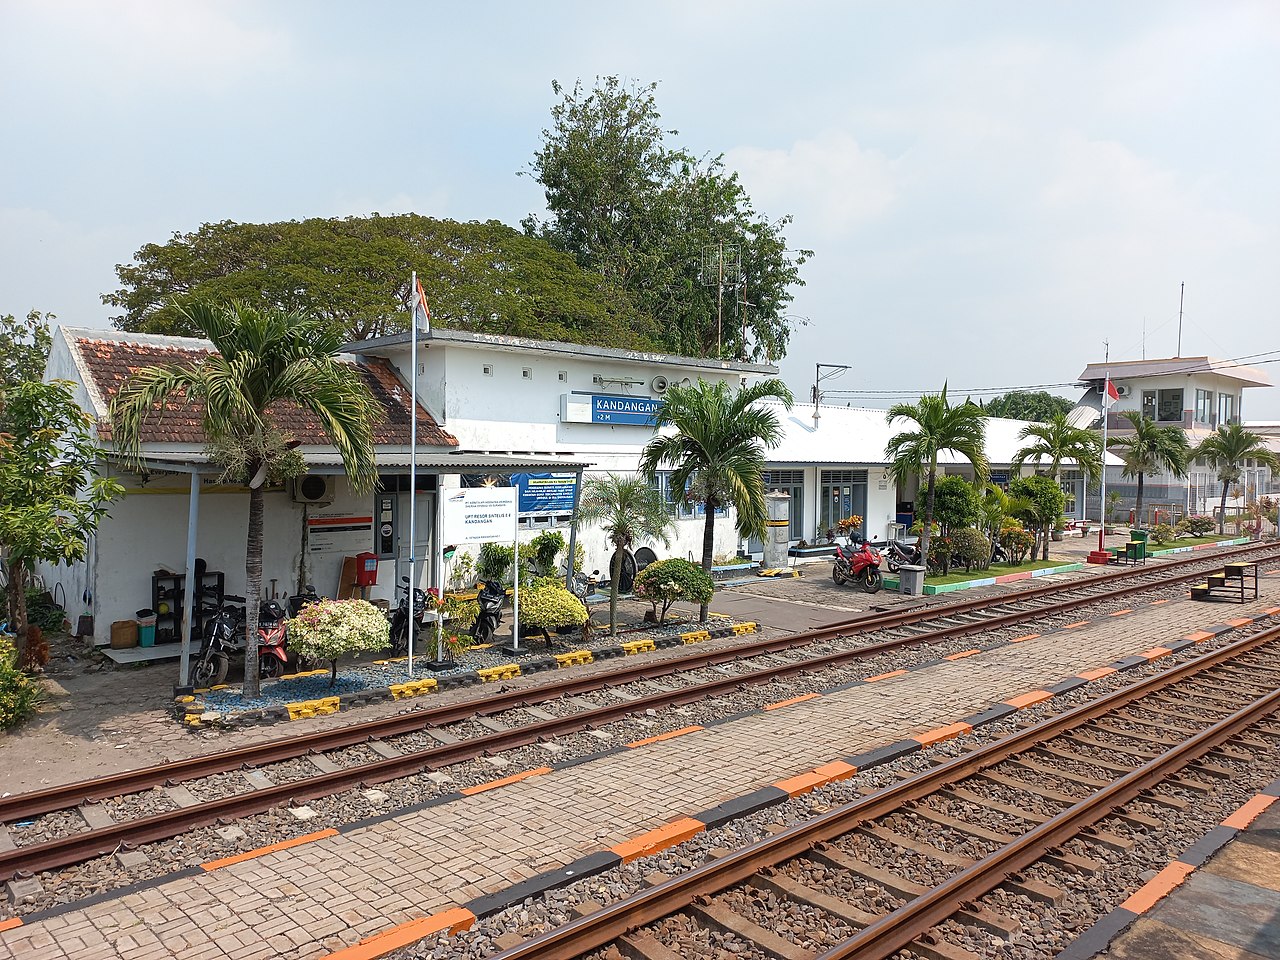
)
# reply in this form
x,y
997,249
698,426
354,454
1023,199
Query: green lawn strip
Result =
x,y
1192,541
995,570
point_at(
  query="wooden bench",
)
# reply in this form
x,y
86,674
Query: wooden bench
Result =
x,y
1237,581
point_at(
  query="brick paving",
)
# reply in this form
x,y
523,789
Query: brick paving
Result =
x,y
309,900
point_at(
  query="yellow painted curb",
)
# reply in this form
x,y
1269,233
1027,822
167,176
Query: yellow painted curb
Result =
x,y
306,709
504,671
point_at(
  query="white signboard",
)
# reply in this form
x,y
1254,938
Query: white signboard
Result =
x,y
480,515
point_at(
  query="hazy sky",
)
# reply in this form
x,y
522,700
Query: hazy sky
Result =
x,y
992,189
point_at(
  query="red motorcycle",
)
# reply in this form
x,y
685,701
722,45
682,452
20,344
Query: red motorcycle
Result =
x,y
861,565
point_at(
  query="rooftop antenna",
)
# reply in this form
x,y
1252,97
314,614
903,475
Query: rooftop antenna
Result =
x,y
1182,289
1144,336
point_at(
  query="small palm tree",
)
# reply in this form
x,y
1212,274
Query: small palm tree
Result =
x,y
1057,440
1227,450
628,508
1150,449
718,451
262,358
939,427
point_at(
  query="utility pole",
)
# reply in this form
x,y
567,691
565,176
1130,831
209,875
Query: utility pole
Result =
x,y
716,271
1182,289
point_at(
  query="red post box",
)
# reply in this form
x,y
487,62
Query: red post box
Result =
x,y
366,569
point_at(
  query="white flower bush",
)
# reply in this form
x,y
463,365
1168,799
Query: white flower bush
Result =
x,y
327,629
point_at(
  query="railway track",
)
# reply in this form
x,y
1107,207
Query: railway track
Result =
x,y
390,758
847,884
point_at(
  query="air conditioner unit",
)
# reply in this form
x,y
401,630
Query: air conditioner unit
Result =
x,y
1123,391
313,489
659,384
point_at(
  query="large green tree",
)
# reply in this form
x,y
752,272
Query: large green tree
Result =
x,y
1027,405
353,274
717,451
677,233
262,358
1150,449
51,495
24,349
939,427
1226,450
1038,501
1057,440
628,508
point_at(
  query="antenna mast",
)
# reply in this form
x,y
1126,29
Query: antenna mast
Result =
x,y
1182,289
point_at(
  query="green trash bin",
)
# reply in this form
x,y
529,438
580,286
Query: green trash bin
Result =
x,y
1136,550
1138,535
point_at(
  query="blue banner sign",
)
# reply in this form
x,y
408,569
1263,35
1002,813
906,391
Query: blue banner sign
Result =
x,y
544,493
633,410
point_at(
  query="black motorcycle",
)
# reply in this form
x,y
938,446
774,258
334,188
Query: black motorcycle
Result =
x,y
491,598
896,554
400,618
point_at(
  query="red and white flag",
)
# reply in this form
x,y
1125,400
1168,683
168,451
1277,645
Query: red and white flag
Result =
x,y
421,312
1109,395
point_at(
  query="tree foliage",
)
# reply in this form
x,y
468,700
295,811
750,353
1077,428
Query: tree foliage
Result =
x,y
1226,450
1038,501
1027,405
1057,440
1150,449
51,494
940,427
261,358
24,349
679,234
955,503
717,451
329,629
665,582
353,274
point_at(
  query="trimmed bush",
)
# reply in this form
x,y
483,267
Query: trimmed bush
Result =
x,y
19,694
1016,542
1162,534
667,581
547,605
1200,524
327,629
971,548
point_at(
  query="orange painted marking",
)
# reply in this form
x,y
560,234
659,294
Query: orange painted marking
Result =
x,y
1271,612
786,703
818,777
1200,636
884,676
1240,621
1096,674
10,923
494,784
948,732
454,920
1121,613
1024,700
962,654
665,836
1025,637
1150,893
1156,603
1248,812
263,851
1078,623
664,736
1155,653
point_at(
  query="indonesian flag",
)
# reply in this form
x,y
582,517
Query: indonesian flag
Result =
x,y
421,312
1109,395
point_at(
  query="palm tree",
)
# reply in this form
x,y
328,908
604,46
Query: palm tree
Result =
x,y
628,507
1227,450
263,358
1057,440
718,451
1150,449
940,427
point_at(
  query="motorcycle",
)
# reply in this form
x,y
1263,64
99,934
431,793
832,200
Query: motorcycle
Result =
x,y
224,638
861,565
491,598
400,618
582,585
897,553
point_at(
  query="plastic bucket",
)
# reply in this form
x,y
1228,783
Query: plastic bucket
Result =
x,y
146,620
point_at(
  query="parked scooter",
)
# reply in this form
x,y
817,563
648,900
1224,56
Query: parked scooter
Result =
x,y
491,598
400,618
224,639
897,553
860,565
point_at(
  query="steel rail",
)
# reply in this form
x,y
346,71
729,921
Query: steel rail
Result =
x,y
24,806
600,928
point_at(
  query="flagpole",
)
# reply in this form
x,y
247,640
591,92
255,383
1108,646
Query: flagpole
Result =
x,y
413,457
1102,497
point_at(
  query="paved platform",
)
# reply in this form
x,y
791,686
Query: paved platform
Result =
x,y
314,898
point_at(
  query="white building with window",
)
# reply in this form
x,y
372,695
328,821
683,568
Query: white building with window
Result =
x,y
1194,394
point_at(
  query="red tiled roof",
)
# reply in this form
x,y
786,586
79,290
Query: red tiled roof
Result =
x,y
111,362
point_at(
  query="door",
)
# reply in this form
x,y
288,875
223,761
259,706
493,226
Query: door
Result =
x,y
424,524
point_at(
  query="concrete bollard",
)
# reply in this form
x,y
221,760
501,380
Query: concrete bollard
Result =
x,y
911,580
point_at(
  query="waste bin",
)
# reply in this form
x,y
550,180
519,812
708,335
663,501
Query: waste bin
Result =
x,y
146,620
1140,535
911,579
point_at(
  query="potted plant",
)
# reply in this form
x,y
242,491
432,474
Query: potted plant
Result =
x,y
1059,529
1113,503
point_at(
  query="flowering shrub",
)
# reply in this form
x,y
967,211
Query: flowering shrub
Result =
x,y
972,548
1016,542
666,581
1162,534
327,629
19,694
1199,524
850,524
941,550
